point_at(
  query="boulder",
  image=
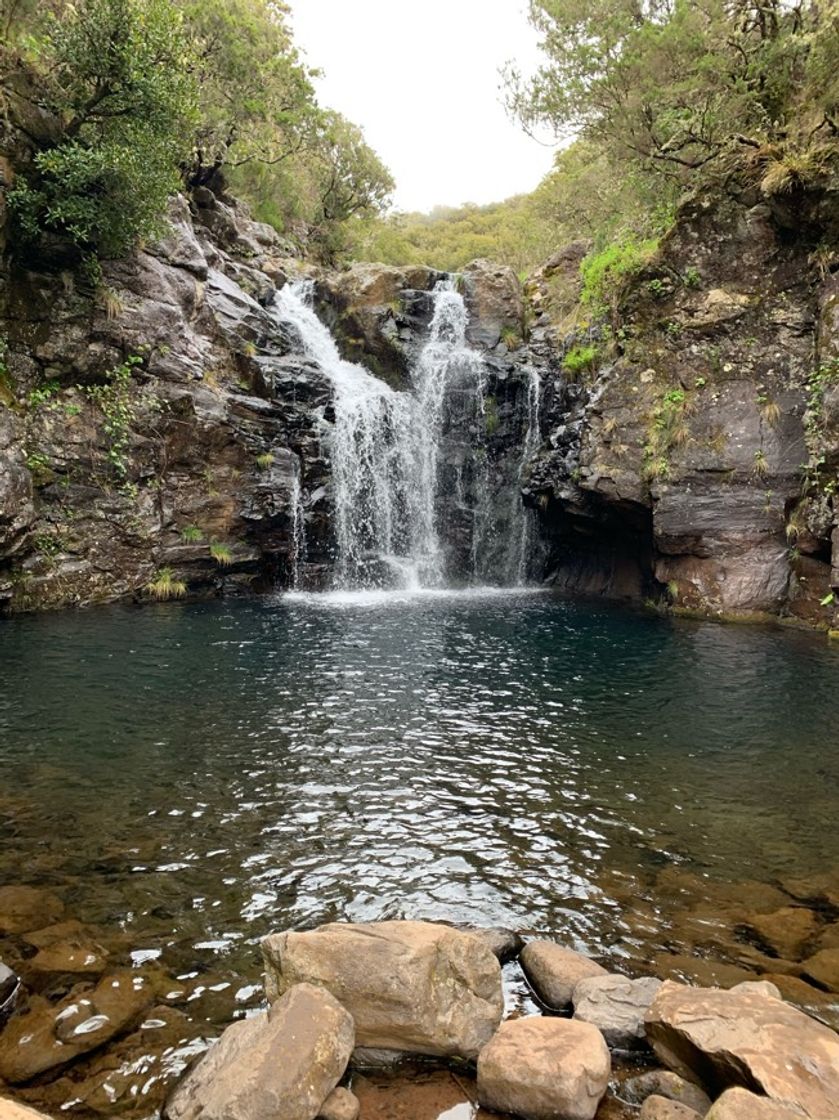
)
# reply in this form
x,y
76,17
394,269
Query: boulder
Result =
x,y
26,908
413,986
616,1005
662,1108
823,967
726,1039
280,1065
341,1104
504,943
544,1069
664,1083
46,1036
740,1104
554,971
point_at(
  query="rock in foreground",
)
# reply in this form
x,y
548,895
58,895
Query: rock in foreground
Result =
x,y
740,1104
727,1039
665,1083
554,971
616,1006
281,1065
544,1069
412,986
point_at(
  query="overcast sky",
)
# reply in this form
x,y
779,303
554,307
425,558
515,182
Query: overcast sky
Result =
x,y
422,81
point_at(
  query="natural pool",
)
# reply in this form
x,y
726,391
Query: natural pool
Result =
x,y
186,778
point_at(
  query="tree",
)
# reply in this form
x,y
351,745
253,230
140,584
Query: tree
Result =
x,y
116,75
258,104
670,84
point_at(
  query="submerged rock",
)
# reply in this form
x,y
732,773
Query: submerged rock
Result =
x,y
554,971
412,986
730,1039
27,908
616,1006
823,967
281,1065
544,1069
46,1036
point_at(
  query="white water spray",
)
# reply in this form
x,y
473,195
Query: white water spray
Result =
x,y
386,450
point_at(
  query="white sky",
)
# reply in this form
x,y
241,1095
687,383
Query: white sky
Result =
x,y
422,80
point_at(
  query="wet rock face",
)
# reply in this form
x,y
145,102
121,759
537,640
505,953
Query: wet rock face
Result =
x,y
685,462
219,430
616,1005
409,986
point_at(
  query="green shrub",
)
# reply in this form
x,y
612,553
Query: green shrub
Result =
x,y
605,272
164,586
580,359
117,74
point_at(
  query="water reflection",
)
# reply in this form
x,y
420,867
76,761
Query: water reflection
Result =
x,y
186,778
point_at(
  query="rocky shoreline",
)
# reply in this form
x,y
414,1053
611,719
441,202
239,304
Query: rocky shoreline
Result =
x,y
347,1003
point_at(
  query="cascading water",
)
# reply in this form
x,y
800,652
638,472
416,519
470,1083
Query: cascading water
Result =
x,y
409,468
522,519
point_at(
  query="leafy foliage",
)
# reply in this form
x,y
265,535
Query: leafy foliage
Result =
x,y
115,75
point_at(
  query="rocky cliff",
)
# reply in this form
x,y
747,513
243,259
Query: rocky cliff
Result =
x,y
166,433
697,466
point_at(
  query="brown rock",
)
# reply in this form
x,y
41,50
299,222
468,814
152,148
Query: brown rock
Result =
x,y
829,937
12,1110
494,299
662,1108
46,1036
759,988
824,969
67,958
341,1104
726,1039
544,1069
616,1006
784,932
554,971
700,970
740,1104
27,908
281,1065
414,986
665,1083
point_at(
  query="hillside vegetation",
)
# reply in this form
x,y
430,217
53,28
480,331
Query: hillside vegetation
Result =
x,y
134,99
651,100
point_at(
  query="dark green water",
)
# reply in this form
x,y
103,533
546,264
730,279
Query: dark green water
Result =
x,y
483,759
189,777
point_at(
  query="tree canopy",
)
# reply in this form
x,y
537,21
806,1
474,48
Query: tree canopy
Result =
x,y
149,95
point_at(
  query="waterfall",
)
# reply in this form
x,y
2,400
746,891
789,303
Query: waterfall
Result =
x,y
298,525
410,472
522,520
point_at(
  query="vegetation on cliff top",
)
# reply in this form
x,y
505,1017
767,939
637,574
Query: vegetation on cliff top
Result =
x,y
141,97
658,97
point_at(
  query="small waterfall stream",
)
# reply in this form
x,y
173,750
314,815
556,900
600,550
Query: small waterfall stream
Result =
x,y
391,487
